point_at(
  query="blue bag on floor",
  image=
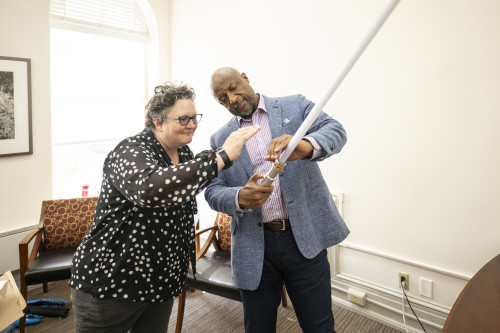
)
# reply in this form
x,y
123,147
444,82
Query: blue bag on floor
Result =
x,y
53,307
30,320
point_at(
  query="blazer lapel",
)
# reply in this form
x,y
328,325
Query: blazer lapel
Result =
x,y
275,116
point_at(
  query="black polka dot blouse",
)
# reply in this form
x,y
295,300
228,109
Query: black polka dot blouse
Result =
x,y
142,238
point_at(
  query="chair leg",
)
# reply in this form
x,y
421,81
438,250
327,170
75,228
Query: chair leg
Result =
x,y
180,311
197,237
284,301
22,323
45,288
24,293
197,243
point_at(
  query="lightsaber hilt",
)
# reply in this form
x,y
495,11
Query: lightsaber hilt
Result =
x,y
272,173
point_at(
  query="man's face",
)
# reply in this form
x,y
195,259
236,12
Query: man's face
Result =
x,y
232,90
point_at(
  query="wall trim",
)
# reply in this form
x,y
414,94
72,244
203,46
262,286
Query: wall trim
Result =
x,y
17,231
457,275
9,243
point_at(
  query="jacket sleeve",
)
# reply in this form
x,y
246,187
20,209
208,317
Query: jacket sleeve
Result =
x,y
328,132
134,171
219,196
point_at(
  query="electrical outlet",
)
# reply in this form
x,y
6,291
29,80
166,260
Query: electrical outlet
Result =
x,y
407,280
356,296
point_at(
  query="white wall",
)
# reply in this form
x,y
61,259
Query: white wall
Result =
x,y
26,179
420,170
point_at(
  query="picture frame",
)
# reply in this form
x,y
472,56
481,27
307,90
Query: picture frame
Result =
x,y
15,107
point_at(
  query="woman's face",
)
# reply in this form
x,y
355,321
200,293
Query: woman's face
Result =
x,y
171,133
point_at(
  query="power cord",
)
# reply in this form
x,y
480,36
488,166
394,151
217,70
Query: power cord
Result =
x,y
403,281
403,303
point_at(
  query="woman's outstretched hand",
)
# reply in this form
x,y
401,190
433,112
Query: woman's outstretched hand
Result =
x,y
235,141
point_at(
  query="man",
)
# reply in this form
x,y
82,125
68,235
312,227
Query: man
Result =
x,y
279,232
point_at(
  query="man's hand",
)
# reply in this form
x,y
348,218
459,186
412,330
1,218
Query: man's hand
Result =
x,y
304,149
253,195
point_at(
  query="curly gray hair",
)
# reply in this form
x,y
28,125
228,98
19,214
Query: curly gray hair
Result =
x,y
164,98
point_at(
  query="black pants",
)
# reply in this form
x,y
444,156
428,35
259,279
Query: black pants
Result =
x,y
307,282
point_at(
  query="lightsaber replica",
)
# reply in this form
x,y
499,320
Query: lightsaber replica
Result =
x,y
279,164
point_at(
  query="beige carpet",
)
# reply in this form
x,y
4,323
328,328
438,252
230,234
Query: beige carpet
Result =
x,y
209,313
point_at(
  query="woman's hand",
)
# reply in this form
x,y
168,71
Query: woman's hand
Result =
x,y
235,141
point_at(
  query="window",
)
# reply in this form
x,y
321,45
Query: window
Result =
x,y
99,88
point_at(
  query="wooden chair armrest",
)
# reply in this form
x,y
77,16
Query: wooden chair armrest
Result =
x,y
201,231
30,236
24,260
211,237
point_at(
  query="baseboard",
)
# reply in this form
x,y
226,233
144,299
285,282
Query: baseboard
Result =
x,y
375,274
385,306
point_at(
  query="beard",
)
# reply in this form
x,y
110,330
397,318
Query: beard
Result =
x,y
247,112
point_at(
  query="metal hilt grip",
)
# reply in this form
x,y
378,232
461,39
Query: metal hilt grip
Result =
x,y
271,174
269,177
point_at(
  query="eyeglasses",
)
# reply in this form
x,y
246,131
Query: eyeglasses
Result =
x,y
184,120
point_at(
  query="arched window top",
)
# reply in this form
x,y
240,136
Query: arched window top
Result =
x,y
122,16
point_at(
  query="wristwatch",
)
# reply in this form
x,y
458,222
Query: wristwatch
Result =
x,y
225,157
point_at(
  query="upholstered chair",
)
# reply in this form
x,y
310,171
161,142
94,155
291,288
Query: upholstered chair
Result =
x,y
63,224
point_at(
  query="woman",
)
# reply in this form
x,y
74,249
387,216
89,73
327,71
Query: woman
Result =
x,y
134,260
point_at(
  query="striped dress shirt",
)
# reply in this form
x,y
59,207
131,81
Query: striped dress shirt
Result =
x,y
275,207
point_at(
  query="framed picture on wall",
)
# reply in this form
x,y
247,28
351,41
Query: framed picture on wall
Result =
x,y
15,107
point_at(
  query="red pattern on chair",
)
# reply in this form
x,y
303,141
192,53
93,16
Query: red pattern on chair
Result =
x,y
67,221
224,224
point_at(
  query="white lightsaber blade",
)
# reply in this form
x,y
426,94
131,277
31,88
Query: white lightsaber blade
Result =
x,y
280,163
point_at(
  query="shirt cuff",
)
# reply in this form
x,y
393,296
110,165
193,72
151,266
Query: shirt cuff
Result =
x,y
317,150
239,210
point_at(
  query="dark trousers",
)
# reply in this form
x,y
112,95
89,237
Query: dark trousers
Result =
x,y
307,283
94,315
